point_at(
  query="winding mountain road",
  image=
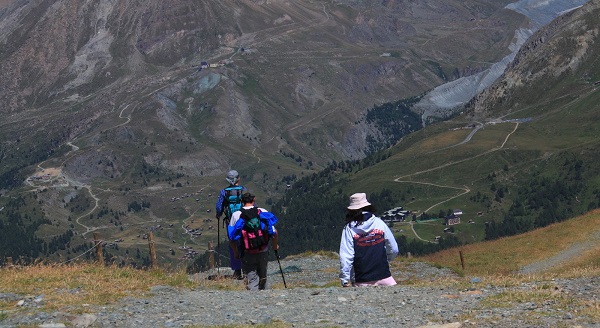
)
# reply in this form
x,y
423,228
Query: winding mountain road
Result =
x,y
465,189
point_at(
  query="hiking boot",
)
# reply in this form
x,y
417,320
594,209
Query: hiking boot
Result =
x,y
237,274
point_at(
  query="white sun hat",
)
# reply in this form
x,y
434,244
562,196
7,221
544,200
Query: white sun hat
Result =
x,y
358,201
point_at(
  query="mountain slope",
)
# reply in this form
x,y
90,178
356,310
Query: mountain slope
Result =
x,y
298,74
451,97
569,44
105,106
116,128
523,156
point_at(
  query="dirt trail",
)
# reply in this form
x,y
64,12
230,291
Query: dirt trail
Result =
x,y
564,256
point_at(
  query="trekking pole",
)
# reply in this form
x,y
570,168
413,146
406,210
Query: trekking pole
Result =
x,y
218,248
280,270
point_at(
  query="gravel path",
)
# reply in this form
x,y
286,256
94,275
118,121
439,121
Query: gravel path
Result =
x,y
313,299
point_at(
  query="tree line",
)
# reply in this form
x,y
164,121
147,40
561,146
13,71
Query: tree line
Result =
x,y
555,192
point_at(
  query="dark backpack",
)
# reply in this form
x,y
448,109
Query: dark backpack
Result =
x,y
233,201
254,238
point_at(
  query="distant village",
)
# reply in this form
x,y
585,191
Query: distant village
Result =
x,y
399,214
396,214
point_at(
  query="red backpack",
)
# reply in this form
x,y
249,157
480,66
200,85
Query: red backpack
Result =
x,y
254,237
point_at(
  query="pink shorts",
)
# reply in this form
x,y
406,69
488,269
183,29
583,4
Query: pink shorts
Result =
x,y
389,281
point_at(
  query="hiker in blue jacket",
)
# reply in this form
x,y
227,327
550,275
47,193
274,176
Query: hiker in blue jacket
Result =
x,y
366,247
254,244
229,201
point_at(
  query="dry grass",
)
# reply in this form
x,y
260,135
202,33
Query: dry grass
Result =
x,y
496,263
506,255
81,284
77,285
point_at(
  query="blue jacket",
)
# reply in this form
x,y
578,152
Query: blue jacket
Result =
x,y
366,249
234,230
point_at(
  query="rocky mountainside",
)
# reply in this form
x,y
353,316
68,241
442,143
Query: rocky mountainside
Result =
x,y
289,77
568,45
451,97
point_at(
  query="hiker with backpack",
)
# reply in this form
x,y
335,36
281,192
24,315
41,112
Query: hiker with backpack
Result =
x,y
229,201
367,246
252,227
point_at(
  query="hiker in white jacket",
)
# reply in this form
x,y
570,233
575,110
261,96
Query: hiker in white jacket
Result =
x,y
366,247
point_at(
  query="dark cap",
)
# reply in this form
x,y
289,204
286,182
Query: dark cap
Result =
x,y
247,198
